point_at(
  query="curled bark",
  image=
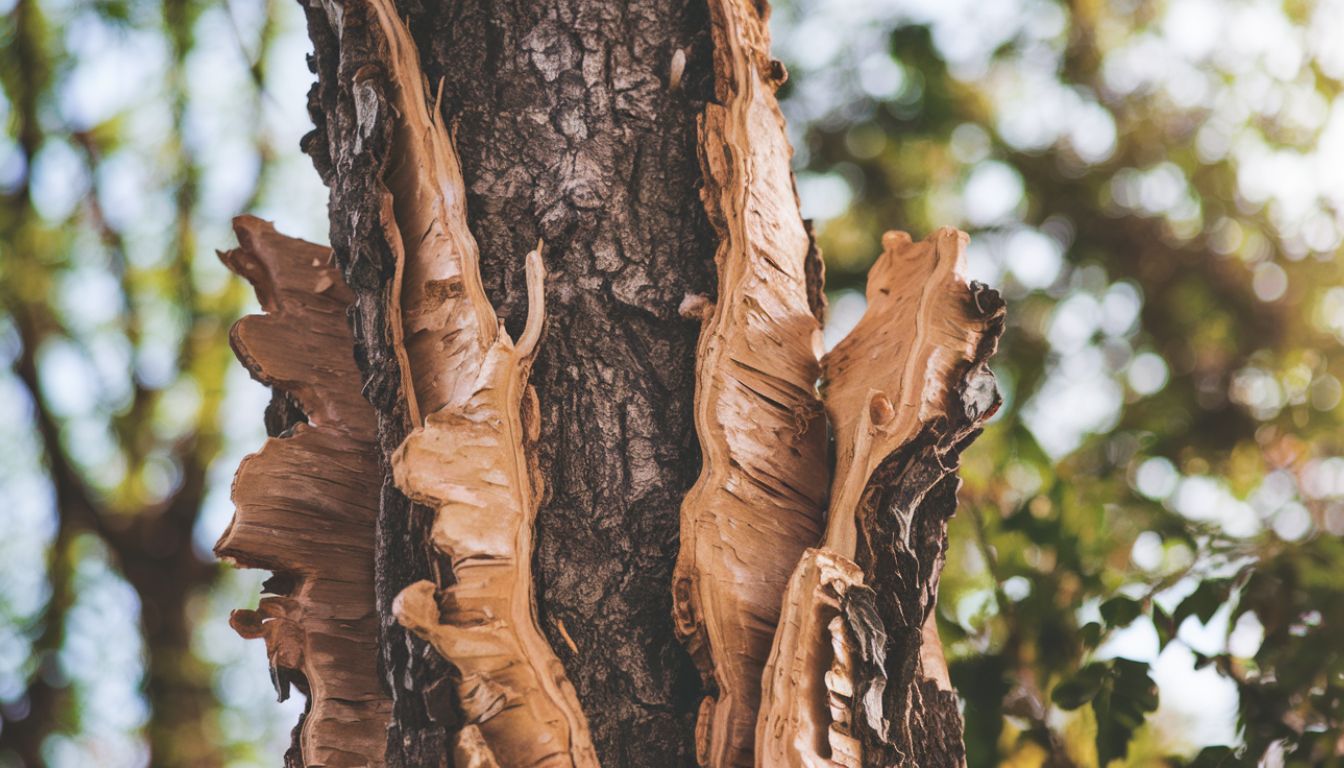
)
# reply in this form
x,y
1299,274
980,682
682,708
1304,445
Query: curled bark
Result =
x,y
307,502
469,463
942,333
758,501
905,392
467,457
567,131
806,694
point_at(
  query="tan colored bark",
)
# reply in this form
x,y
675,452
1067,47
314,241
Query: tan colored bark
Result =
x,y
471,751
468,459
307,502
808,684
898,372
758,501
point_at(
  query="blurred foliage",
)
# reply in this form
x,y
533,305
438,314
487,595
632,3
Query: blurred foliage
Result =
x,y
133,131
1157,188
1147,567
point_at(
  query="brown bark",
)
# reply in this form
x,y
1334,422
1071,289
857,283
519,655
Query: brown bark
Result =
x,y
307,501
761,495
574,122
567,132
468,456
905,391
931,334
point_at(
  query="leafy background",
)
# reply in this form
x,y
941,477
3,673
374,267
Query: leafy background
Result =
x,y
1147,566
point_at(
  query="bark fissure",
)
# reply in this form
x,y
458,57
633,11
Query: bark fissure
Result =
x,y
569,131
350,149
468,459
902,530
592,126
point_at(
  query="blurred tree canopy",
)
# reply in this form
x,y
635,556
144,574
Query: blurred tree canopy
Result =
x,y
1157,187
1147,566
133,132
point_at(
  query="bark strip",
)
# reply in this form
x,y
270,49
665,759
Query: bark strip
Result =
x,y
469,463
758,501
307,502
566,132
905,392
809,681
469,459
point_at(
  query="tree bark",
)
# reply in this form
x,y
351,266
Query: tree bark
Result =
x,y
568,132
454,136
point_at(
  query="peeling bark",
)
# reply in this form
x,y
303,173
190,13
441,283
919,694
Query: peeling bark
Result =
x,y
308,500
351,148
569,130
575,120
468,459
905,392
759,499
806,694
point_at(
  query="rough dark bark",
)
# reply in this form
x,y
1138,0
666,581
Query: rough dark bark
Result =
x,y
568,132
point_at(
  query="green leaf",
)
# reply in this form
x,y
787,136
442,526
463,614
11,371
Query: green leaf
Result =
x,y
1127,695
1165,625
1205,601
1081,688
1121,611
1090,634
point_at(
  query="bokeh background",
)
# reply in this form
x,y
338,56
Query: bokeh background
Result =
x,y
1147,565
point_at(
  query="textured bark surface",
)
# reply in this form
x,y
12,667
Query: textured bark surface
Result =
x,y
925,338
575,123
568,129
350,148
808,682
308,500
905,392
761,494
468,457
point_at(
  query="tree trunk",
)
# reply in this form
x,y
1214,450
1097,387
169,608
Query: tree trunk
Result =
x,y
641,145
568,133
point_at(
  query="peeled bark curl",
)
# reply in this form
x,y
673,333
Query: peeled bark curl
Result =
x,y
469,462
473,417
905,392
307,502
809,714
759,498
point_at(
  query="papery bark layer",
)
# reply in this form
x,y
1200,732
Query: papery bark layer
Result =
x,y
758,502
568,130
307,501
905,391
468,459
